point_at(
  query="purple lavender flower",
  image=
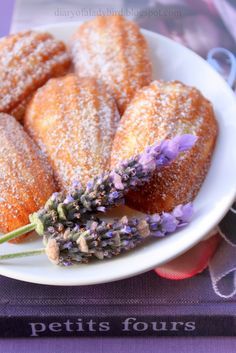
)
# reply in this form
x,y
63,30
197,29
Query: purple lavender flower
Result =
x,y
68,199
73,215
183,212
76,228
185,141
76,184
109,189
54,196
98,239
89,185
169,222
101,209
162,154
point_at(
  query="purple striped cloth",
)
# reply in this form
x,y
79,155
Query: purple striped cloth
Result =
x,y
217,18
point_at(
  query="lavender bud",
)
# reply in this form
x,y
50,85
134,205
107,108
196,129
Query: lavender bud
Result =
x,y
109,189
105,240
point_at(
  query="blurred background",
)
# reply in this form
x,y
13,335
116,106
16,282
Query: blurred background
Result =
x,y
206,26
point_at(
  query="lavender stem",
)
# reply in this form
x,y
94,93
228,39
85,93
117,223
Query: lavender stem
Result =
x,y
101,240
17,233
22,254
104,191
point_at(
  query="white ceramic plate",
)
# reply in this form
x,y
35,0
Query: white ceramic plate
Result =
x,y
171,61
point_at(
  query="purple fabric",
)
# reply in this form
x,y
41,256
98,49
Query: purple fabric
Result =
x,y
144,291
6,9
141,296
117,345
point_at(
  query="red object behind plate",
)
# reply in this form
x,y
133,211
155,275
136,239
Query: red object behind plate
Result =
x,y
192,262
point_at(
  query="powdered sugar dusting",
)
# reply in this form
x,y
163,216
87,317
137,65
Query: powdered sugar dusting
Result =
x,y
159,111
74,121
28,60
25,176
113,50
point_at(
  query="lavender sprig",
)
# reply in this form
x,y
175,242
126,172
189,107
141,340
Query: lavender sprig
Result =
x,y
101,240
109,189
104,240
104,191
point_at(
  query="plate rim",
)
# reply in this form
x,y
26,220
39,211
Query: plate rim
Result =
x,y
128,273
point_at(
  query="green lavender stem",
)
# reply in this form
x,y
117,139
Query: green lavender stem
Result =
x,y
16,233
22,254
104,191
101,240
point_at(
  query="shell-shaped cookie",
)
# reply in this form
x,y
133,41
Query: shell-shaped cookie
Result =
x,y
26,180
73,120
27,60
159,111
114,50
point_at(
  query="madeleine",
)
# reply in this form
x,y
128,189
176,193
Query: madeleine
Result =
x,y
113,49
27,60
26,180
159,111
74,121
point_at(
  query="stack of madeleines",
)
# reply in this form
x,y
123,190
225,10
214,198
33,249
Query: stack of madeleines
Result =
x,y
80,123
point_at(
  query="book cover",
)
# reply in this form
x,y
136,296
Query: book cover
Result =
x,y
145,305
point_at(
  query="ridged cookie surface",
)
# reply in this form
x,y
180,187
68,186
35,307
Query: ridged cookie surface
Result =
x,y
113,49
163,110
73,120
26,180
27,61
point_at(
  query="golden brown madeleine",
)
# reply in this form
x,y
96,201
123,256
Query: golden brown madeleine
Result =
x,y
158,111
26,180
112,49
27,61
73,120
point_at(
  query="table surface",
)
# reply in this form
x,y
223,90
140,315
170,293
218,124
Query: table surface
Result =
x,y
116,345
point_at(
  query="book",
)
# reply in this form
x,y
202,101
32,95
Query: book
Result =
x,y
145,305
